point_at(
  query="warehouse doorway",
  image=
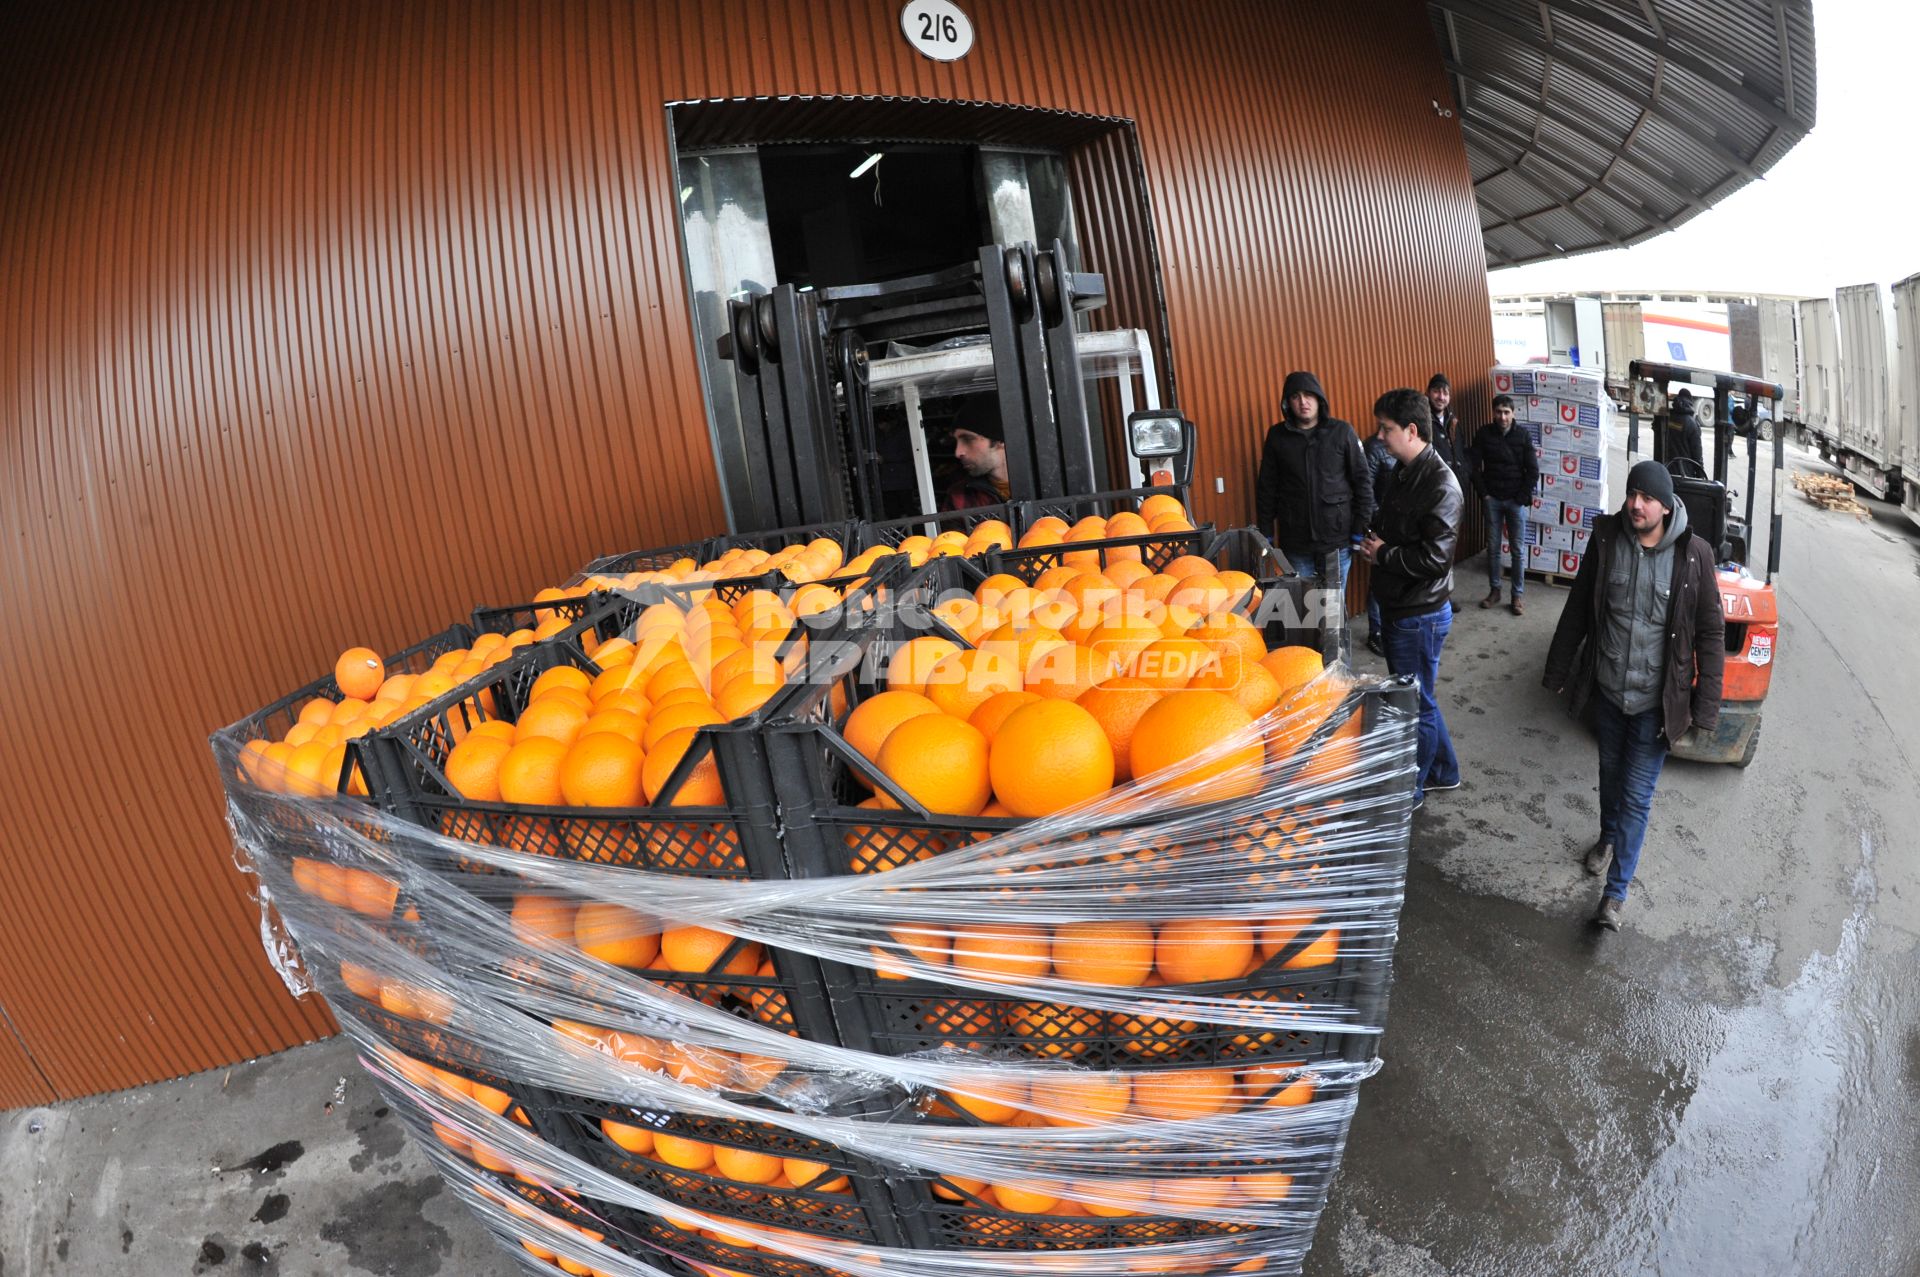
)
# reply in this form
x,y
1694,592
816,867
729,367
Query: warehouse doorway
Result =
x,y
823,193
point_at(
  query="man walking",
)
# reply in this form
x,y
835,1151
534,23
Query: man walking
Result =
x,y
1411,549
1506,469
1313,491
1642,625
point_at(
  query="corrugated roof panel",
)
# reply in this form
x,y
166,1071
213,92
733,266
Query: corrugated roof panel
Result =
x,y
1726,88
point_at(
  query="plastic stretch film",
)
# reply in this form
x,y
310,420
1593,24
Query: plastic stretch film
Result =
x,y
830,1017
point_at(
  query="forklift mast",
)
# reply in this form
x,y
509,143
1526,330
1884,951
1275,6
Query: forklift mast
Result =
x,y
801,365
1725,386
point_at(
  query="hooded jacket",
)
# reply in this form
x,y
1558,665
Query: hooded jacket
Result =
x,y
1691,644
1313,490
1683,437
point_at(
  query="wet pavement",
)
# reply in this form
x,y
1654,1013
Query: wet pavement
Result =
x,y
1731,1085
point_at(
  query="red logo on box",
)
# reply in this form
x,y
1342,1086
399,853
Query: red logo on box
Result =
x,y
1569,464
1569,413
1569,562
1503,382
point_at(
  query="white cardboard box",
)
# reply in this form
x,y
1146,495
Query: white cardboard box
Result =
x,y
1561,435
1541,410
1569,487
1555,537
1573,465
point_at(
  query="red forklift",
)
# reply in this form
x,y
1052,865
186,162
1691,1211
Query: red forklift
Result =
x,y
1751,609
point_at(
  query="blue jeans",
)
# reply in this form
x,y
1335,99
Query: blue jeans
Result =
x,y
1513,516
1413,647
1631,756
1308,565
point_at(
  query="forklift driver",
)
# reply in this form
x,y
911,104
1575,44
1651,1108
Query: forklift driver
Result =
x,y
980,446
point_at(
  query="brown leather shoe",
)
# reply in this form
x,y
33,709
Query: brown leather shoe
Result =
x,y
1598,857
1608,914
1492,599
1519,609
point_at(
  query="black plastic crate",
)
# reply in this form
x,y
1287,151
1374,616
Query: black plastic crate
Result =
x,y
272,722
655,560
826,832
848,1201
841,531
1155,551
1106,504
894,531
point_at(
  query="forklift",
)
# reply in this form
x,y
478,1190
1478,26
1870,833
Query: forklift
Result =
x,y
810,366
1751,608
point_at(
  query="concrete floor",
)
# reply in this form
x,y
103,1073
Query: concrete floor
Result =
x,y
1731,1085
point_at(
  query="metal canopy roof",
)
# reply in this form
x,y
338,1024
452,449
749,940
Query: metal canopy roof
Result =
x,y
1598,125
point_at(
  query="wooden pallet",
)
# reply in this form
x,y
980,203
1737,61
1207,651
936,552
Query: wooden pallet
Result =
x,y
1830,492
1560,579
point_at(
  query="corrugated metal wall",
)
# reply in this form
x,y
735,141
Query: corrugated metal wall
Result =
x,y
321,323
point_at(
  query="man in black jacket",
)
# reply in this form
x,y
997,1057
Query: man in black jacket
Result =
x,y
1411,549
1313,491
1682,437
1642,625
1506,469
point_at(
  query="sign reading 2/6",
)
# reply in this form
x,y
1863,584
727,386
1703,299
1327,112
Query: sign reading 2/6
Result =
x,y
937,28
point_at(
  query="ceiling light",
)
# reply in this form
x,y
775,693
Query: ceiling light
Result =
x,y
866,164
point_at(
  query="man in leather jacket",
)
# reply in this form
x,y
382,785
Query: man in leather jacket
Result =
x,y
1411,548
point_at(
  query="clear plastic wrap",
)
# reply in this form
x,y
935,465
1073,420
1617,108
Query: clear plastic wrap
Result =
x,y
1123,1036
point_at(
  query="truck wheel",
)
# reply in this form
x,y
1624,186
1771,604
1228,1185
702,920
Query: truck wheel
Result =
x,y
1753,747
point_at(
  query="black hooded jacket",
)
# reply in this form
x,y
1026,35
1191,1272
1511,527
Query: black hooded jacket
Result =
x,y
1314,490
1683,438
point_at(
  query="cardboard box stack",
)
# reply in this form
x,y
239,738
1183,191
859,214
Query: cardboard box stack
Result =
x,y
1570,418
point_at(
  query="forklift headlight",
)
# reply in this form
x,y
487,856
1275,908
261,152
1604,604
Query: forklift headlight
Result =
x,y
1152,435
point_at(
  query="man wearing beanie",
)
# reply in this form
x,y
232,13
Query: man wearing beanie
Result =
x,y
1643,627
980,446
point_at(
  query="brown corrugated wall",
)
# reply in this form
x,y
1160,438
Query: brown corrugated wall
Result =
x,y
321,323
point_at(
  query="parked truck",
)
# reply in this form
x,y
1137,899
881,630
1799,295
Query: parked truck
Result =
x,y
1853,387
1906,323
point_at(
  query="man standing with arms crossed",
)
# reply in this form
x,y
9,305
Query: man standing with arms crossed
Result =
x,y
1411,549
1643,627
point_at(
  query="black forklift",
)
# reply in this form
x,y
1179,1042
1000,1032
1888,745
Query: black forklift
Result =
x,y
1749,603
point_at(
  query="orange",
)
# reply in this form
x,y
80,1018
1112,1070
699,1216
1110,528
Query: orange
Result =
x,y
815,1176
1117,706
702,787
941,762
634,1139
681,1153
1279,931
1117,953
616,722
1083,1099
914,660
867,727
994,710
1160,504
1301,713
989,534
560,676
554,717
962,682
1242,593
1126,524
1292,666
1266,1186
1250,685
359,673
992,1098
1277,1085
695,949
625,702
1324,951
680,696
1172,663
1065,671
616,935
1008,952
473,767
602,770
1049,756
1236,631
530,772
1123,638
536,918
1203,950
1026,1199
1184,724
665,722
744,1166
1200,1192
1125,574
674,674
747,693
1184,1094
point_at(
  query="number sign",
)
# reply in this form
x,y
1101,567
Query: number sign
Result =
x,y
937,28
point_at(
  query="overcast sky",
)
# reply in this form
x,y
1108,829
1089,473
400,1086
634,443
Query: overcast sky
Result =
x,y
1842,208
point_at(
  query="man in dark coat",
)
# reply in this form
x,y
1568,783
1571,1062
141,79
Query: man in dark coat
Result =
x,y
1506,469
980,446
1683,436
1313,492
1642,626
